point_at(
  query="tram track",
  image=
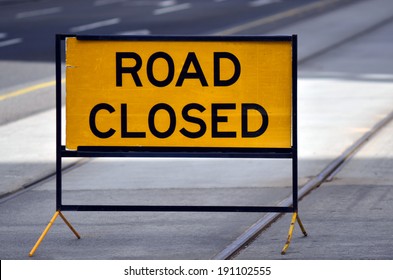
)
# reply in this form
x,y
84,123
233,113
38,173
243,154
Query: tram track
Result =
x,y
38,182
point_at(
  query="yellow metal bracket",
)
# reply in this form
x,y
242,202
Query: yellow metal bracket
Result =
x,y
57,213
295,217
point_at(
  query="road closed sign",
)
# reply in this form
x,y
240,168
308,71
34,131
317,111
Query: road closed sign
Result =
x,y
179,92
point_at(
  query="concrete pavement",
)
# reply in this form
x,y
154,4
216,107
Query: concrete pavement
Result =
x,y
341,95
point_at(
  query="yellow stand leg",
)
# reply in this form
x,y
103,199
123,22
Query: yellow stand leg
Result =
x,y
295,217
69,225
57,213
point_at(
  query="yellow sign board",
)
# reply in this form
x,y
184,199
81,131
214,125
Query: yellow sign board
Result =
x,y
226,94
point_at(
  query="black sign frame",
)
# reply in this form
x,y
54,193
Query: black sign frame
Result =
x,y
187,152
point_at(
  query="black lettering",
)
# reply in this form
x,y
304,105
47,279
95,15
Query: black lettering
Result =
x,y
218,82
265,120
124,125
92,120
217,119
120,70
172,120
192,119
171,69
184,74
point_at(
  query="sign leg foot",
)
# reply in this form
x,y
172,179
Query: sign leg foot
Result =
x,y
295,217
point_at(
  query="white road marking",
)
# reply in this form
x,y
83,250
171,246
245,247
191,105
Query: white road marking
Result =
x,y
10,42
135,32
258,3
171,9
95,25
36,13
3,35
107,2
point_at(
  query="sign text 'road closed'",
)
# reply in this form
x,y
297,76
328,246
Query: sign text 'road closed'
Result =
x,y
158,93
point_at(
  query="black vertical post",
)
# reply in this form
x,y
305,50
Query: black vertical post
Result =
x,y
294,125
59,38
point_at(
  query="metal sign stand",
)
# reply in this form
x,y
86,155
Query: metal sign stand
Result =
x,y
87,151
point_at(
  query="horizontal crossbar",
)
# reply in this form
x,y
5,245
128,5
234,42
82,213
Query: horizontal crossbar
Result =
x,y
176,208
195,152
